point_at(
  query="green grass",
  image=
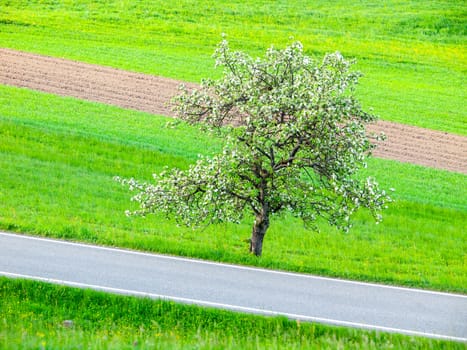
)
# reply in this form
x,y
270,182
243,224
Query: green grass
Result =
x,y
413,53
58,157
32,316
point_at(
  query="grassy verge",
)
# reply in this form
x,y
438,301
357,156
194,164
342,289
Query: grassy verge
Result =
x,y
32,316
58,157
412,52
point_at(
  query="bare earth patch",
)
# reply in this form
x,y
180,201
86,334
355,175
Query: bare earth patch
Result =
x,y
152,94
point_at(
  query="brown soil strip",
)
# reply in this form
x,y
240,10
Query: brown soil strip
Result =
x,y
151,94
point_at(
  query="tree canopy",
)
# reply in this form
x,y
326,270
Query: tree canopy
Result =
x,y
295,139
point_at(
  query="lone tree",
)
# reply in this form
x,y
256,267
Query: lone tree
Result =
x,y
294,139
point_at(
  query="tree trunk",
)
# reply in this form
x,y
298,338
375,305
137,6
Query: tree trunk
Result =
x,y
259,230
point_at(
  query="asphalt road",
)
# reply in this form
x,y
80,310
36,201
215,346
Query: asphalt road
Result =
x,y
304,297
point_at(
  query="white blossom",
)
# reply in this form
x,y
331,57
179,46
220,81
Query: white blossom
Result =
x,y
298,144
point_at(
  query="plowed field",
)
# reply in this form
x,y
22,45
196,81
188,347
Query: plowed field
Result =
x,y
151,94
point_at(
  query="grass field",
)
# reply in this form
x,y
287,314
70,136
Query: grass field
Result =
x,y
413,53
32,316
58,156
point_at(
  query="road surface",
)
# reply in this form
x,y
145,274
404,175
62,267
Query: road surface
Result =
x,y
239,288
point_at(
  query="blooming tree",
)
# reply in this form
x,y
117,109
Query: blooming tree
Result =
x,y
294,140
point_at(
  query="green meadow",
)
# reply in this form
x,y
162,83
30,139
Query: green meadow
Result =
x,y
413,53
58,157
41,316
